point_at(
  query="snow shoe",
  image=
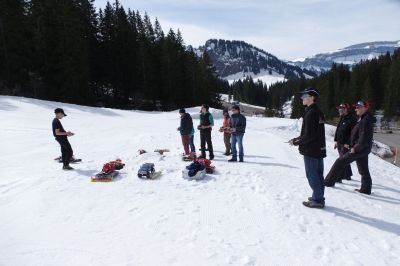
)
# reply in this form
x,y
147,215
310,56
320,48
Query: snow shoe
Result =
x,y
189,157
161,151
73,159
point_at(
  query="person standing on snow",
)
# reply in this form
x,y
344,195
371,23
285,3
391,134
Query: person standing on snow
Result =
x,y
342,137
312,146
227,134
360,147
61,137
237,127
205,127
185,129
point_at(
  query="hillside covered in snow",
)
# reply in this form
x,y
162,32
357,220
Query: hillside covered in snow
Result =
x,y
350,55
247,213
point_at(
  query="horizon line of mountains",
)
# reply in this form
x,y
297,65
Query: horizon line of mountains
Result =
x,y
235,60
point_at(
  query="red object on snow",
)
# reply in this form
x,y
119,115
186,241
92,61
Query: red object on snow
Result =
x,y
203,161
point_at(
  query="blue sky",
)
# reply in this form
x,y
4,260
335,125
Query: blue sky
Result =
x,y
289,29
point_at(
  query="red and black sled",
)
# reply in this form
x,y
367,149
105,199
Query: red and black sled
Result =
x,y
109,171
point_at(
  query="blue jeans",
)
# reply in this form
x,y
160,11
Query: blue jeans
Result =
x,y
239,140
191,142
315,175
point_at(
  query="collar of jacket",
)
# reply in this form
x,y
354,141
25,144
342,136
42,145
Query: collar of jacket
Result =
x,y
313,105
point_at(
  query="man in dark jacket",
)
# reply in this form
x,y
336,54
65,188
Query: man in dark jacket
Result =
x,y
61,137
185,129
360,147
342,137
205,127
312,146
237,128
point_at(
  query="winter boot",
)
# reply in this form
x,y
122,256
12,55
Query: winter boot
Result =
x,y
362,191
67,167
313,204
232,160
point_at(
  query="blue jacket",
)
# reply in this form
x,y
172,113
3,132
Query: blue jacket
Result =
x,y
238,121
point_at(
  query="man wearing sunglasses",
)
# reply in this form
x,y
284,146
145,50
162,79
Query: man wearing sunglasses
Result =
x,y
342,137
312,146
359,149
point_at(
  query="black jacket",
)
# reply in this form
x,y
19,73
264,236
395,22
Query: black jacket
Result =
x,y
312,138
238,121
362,133
186,124
344,127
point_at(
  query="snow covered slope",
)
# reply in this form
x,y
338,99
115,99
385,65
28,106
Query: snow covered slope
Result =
x,y
348,56
246,214
235,60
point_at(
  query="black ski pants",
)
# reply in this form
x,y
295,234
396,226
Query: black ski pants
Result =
x,y
66,150
362,165
346,171
205,137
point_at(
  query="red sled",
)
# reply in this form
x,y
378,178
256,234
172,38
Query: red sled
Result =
x,y
207,164
109,171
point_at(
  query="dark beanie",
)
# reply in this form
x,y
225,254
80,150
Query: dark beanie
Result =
x,y
182,111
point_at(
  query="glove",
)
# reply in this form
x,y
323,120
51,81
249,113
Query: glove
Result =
x,y
294,142
335,145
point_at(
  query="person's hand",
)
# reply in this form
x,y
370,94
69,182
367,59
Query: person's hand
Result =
x,y
232,130
294,142
352,150
69,134
347,146
335,145
179,128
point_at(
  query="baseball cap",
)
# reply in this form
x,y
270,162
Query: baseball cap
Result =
x,y
310,91
59,110
361,104
343,105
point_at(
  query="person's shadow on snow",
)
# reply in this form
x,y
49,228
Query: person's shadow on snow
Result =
x,y
379,224
373,196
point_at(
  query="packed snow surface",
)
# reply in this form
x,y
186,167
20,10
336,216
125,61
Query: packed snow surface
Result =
x,y
245,214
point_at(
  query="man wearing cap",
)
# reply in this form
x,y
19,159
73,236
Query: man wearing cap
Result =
x,y
185,129
62,138
237,127
312,146
342,137
360,147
